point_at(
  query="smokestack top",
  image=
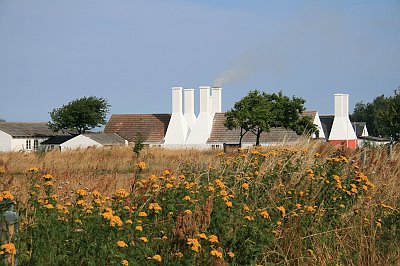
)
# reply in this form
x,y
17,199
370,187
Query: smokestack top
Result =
x,y
341,105
176,99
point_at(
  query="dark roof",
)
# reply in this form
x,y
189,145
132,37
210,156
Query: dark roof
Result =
x,y
327,122
221,134
152,127
371,138
358,127
105,138
27,129
57,140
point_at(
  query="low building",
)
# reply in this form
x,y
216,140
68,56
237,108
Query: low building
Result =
x,y
92,140
24,136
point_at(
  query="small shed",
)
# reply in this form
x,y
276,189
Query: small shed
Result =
x,y
93,140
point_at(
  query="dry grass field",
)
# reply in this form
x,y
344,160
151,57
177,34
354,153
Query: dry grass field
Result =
x,y
291,205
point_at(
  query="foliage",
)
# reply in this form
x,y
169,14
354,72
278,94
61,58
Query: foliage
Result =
x,y
281,206
138,144
382,116
2,120
258,111
80,115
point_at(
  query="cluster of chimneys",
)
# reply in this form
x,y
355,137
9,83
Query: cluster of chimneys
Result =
x,y
184,127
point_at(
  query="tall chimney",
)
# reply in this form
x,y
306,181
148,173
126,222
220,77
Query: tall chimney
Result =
x,y
216,93
177,130
342,131
201,130
188,95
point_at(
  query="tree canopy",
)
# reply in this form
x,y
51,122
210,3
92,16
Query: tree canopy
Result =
x,y
382,116
258,111
80,115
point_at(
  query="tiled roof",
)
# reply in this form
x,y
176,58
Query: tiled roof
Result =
x,y
221,134
27,129
106,138
152,127
327,122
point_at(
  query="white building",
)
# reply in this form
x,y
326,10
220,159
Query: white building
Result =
x,y
23,136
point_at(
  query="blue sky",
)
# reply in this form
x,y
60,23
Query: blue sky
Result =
x,y
133,52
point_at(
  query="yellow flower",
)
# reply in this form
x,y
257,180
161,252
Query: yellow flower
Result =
x,y
48,184
188,212
142,214
54,197
186,198
9,248
245,186
301,193
122,244
282,210
213,239
246,208
341,206
49,206
139,228
6,195
144,239
125,262
194,244
33,170
231,254
96,194
279,222
169,185
216,253
121,193
157,257
228,203
115,220
264,214
47,177
129,221
141,165
81,192
166,172
249,218
81,203
154,206
179,254
202,235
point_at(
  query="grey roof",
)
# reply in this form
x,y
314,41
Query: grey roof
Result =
x,y
27,129
311,114
221,134
358,127
327,122
106,138
57,140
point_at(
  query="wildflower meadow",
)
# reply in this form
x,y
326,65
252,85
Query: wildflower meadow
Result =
x,y
307,204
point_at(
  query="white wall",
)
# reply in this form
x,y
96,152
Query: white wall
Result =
x,y
318,123
79,142
5,141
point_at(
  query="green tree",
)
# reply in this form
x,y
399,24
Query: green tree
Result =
x,y
2,120
80,114
258,111
382,116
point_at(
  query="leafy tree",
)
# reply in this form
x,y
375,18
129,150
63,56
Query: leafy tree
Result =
x,y
80,114
2,120
138,146
259,111
382,116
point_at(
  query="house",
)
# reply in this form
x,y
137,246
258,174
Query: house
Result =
x,y
23,136
183,129
315,118
55,142
84,141
152,127
360,128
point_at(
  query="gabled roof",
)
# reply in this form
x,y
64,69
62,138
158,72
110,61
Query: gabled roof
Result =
x,y
27,129
57,140
221,134
358,127
152,127
105,138
327,122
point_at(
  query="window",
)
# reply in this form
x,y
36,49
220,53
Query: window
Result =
x,y
28,144
36,144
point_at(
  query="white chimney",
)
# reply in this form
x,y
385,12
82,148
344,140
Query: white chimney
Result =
x,y
188,95
177,130
342,131
216,99
201,130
